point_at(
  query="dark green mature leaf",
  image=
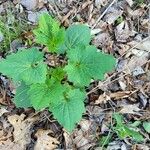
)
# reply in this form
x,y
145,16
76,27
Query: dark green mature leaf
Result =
x,y
85,63
69,111
21,98
76,35
25,65
42,95
49,33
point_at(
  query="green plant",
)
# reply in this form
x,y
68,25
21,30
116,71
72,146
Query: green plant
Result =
x,y
124,131
60,89
11,29
146,126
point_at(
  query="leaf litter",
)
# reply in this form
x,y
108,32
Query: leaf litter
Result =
x,y
122,30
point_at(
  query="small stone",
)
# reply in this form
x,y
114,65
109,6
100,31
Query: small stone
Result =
x,y
16,44
33,16
1,37
138,71
2,9
29,4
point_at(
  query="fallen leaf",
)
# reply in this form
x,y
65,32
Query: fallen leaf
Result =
x,y
130,2
8,144
2,111
115,96
45,141
130,109
112,14
144,45
123,32
21,133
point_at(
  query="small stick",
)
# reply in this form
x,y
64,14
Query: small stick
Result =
x,y
103,14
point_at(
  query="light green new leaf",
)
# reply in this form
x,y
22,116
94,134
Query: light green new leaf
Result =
x,y
57,73
76,35
49,32
21,98
25,65
146,126
69,111
85,63
42,95
124,131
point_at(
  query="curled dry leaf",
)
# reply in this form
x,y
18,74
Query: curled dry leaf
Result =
x,y
21,133
45,141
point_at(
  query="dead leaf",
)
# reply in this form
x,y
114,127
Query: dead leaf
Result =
x,y
45,141
8,144
130,109
21,133
2,111
130,2
123,31
144,45
112,14
81,139
115,96
102,39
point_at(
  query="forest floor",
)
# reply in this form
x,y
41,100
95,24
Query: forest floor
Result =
x,y
120,28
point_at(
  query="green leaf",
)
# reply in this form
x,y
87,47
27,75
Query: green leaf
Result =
x,y
124,131
57,73
146,126
49,33
76,35
85,63
42,95
105,140
25,65
134,134
118,118
21,98
69,111
135,124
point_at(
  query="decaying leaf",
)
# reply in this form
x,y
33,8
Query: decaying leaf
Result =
x,y
21,133
2,111
45,141
115,96
123,32
8,144
112,15
130,109
144,45
81,139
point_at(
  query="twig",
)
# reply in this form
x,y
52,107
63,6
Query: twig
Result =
x,y
103,14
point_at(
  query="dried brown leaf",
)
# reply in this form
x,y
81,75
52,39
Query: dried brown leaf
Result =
x,y
45,141
21,133
130,108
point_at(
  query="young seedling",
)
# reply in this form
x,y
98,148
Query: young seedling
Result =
x,y
60,89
